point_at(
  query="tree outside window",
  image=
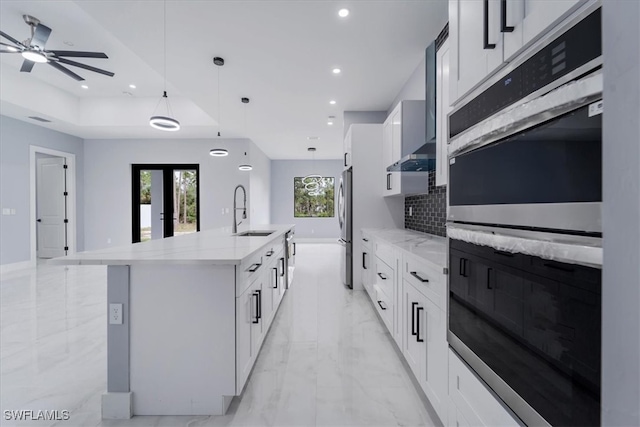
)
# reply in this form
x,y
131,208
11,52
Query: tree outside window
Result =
x,y
313,197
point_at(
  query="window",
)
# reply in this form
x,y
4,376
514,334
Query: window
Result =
x,y
313,197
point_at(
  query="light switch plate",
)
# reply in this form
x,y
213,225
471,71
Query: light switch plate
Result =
x,y
115,314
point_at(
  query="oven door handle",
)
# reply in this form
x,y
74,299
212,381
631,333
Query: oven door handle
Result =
x,y
489,278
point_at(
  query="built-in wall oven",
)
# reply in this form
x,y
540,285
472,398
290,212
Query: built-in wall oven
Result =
x,y
524,227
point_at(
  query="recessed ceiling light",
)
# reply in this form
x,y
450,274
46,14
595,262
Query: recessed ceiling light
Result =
x,y
84,87
132,86
332,102
336,71
330,123
343,13
313,138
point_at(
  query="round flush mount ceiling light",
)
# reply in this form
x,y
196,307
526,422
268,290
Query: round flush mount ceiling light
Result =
x,y
84,86
245,167
332,102
218,152
336,71
132,86
164,123
343,13
34,56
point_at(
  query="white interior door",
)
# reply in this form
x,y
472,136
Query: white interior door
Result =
x,y
50,207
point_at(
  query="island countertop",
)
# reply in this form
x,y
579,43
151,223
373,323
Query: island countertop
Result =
x,y
216,246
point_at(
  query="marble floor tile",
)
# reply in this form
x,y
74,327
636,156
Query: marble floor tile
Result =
x,y
326,361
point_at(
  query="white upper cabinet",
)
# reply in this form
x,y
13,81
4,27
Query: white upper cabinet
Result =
x,y
529,18
347,160
443,107
484,34
403,132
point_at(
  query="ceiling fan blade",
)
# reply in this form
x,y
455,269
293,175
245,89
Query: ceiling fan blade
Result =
x,y
40,36
78,54
11,39
27,66
10,47
65,70
86,67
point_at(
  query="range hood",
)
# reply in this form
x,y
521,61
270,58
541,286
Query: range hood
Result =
x,y
423,158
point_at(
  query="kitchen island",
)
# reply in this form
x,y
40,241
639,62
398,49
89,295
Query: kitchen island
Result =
x,y
187,316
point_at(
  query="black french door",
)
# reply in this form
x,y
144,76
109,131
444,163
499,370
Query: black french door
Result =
x,y
165,200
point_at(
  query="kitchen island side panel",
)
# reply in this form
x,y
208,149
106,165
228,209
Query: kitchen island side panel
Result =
x,y
182,338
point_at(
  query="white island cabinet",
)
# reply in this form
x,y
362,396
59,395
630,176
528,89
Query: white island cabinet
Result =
x,y
194,312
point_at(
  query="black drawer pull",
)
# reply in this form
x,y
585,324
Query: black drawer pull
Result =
x,y
366,240
282,265
259,303
364,263
382,276
502,253
269,253
559,267
345,159
418,322
415,274
388,181
487,45
380,304
413,318
504,28
254,267
275,277
257,318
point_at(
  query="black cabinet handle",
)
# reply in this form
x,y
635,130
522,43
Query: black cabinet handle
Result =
x,y
559,267
269,253
413,318
382,276
259,303
463,267
489,278
294,249
282,271
254,267
504,28
388,181
345,159
503,253
487,45
415,274
257,319
275,277
364,239
380,304
364,264
418,322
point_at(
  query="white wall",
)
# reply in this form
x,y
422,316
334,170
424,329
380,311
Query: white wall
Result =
x,y
108,182
282,174
15,138
414,88
351,117
260,187
621,215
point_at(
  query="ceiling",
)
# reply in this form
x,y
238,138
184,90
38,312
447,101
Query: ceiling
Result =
x,y
277,53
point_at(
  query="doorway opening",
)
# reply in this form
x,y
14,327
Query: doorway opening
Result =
x,y
166,200
52,203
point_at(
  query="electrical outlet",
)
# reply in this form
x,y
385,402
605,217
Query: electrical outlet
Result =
x,y
226,210
115,314
6,211
13,211
222,213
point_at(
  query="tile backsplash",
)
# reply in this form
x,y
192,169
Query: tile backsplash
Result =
x,y
429,209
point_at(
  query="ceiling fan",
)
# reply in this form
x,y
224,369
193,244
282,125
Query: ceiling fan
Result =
x,y
33,51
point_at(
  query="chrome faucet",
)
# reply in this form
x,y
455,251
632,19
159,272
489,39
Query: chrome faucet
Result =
x,y
243,209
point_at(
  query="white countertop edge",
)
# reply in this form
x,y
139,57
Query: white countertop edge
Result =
x,y
151,252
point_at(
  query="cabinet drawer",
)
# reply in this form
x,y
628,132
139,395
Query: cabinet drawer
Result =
x,y
384,306
426,279
248,270
384,277
367,241
474,399
386,253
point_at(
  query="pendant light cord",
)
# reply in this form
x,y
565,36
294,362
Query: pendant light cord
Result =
x,y
219,112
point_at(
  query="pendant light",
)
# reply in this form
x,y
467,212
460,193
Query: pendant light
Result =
x,y
166,123
218,152
247,166
312,182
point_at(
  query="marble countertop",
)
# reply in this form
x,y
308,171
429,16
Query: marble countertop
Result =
x,y
432,249
217,246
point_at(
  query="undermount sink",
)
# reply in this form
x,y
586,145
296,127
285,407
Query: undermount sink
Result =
x,y
256,233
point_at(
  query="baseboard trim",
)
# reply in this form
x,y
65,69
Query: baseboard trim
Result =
x,y
117,405
15,266
316,240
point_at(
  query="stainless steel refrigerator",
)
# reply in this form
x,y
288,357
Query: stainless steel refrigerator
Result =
x,y
345,217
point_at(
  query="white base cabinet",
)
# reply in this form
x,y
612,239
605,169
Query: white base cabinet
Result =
x,y
472,402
